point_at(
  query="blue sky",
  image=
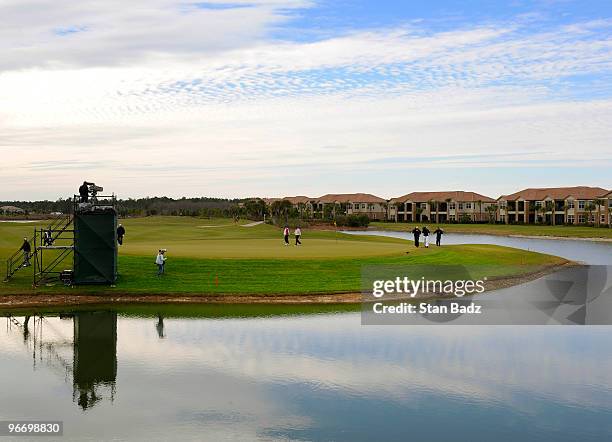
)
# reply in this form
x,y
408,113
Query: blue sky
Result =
x,y
273,98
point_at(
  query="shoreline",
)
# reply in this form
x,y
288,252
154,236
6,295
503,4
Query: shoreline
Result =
x,y
507,235
61,300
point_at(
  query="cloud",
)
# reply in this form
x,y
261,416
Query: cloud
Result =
x,y
199,94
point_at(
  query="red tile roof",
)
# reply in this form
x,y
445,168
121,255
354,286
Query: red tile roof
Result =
x,y
539,194
456,195
350,197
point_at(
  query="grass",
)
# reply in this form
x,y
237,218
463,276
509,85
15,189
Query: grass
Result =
x,y
505,229
230,259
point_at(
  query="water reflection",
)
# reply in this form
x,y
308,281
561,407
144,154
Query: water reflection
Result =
x,y
95,357
317,377
93,344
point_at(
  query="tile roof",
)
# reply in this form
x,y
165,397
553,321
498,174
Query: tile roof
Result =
x,y
350,197
456,195
538,194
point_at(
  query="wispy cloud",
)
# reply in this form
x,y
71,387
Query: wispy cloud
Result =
x,y
206,84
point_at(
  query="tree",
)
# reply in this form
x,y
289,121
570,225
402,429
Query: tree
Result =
x,y
590,206
550,207
418,212
281,208
599,202
491,210
479,202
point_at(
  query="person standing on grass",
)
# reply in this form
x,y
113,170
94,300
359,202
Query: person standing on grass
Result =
x,y
438,232
161,262
298,234
417,234
27,249
286,235
120,234
426,236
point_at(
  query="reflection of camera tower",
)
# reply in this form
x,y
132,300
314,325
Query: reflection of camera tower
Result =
x,y
89,235
93,363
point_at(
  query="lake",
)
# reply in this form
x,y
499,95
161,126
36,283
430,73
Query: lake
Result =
x,y
247,373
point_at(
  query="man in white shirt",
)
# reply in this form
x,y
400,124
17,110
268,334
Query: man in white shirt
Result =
x,y
298,234
161,262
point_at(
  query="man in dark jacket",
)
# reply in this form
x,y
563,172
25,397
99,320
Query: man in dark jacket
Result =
x,y
426,235
27,249
417,233
438,232
120,234
84,191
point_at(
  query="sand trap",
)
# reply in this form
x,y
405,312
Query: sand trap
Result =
x,y
17,221
256,223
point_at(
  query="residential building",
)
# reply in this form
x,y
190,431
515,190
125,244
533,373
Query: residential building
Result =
x,y
555,205
11,210
351,204
440,207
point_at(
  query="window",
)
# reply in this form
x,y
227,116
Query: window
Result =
x,y
570,219
424,206
451,206
502,204
349,206
581,204
570,204
502,218
370,206
363,206
451,217
468,205
538,203
602,219
581,219
460,206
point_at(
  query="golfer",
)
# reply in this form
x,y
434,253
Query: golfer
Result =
x,y
426,236
298,234
286,235
27,249
417,233
161,262
438,232
120,234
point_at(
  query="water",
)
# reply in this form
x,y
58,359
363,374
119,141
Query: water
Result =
x,y
188,373
589,252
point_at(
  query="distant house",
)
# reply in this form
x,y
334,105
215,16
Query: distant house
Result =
x,y
440,207
367,204
11,210
556,205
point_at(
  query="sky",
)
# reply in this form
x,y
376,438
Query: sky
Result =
x,y
303,97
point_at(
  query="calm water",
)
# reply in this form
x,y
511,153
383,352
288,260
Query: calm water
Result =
x,y
589,252
153,374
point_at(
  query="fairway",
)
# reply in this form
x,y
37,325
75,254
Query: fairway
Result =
x,y
222,257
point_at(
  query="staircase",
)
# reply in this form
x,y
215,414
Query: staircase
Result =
x,y
16,261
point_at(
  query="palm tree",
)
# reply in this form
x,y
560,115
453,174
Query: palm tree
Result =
x,y
550,206
610,217
599,202
565,209
479,202
418,212
590,206
539,210
492,209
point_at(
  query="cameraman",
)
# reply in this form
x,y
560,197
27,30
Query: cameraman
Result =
x,y
84,191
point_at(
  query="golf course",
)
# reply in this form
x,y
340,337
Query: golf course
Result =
x,y
222,258
540,230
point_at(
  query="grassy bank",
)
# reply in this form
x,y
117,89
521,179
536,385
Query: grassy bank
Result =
x,y
505,230
219,257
